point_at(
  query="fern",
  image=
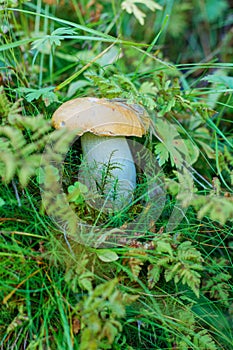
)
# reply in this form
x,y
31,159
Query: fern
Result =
x,y
115,86
121,86
135,260
178,261
201,340
216,282
23,139
226,163
5,105
21,157
183,332
100,313
78,276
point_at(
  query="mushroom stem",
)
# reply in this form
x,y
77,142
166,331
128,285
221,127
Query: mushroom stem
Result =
x,y
108,168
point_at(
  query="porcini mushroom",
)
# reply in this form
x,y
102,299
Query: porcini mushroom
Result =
x,y
103,126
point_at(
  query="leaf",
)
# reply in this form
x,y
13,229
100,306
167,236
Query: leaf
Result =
x,y
9,168
202,340
135,265
49,97
28,168
76,192
76,86
164,247
222,80
107,255
2,202
62,31
45,43
153,275
109,57
192,150
47,94
173,143
130,7
214,9
218,208
181,262
162,152
76,325
147,87
85,281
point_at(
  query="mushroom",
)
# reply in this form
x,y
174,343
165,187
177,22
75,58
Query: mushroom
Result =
x,y
107,166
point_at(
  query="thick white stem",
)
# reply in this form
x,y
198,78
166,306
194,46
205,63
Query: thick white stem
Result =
x,y
108,168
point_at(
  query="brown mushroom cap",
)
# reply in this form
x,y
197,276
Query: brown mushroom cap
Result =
x,y
102,117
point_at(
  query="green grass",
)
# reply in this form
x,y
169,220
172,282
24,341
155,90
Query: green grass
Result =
x,y
166,286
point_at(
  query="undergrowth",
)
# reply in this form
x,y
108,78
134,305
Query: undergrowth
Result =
x,y
161,278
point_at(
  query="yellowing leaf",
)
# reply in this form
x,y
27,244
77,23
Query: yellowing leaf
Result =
x,y
131,7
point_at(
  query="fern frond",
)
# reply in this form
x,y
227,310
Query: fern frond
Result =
x,y
27,168
216,282
180,262
202,340
5,105
14,136
135,260
8,166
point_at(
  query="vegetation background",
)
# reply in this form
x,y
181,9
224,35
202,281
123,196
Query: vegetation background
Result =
x,y
164,288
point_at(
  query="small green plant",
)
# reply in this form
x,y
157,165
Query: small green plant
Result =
x,y
77,193
100,314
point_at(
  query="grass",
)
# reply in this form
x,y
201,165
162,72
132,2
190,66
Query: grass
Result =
x,y
164,287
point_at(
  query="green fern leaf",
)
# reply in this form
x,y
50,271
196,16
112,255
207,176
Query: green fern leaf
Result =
x,y
27,168
8,166
14,135
202,340
153,275
5,105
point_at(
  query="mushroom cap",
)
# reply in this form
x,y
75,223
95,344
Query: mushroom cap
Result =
x,y
102,117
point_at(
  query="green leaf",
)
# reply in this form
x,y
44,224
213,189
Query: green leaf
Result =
x,y
222,80
2,202
192,150
214,9
173,143
202,340
85,281
47,94
153,275
164,247
162,152
45,43
77,192
107,255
